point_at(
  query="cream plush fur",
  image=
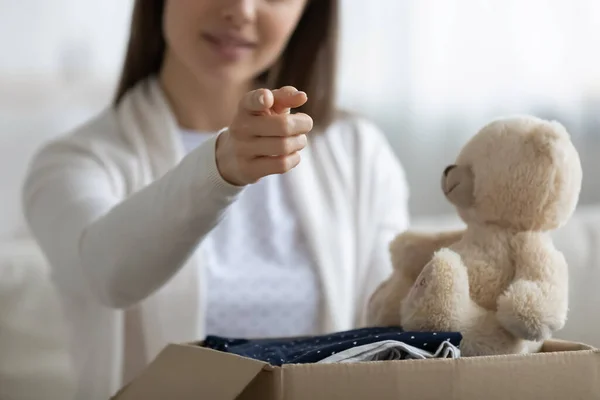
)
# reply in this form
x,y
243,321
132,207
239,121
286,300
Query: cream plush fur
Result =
x,y
500,282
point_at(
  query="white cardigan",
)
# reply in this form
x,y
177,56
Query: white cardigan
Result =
x,y
119,211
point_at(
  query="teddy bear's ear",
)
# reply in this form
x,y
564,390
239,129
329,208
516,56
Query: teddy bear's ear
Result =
x,y
458,183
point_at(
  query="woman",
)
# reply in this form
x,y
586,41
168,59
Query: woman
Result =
x,y
162,227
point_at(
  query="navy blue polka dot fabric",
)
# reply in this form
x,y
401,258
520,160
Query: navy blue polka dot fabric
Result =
x,y
315,348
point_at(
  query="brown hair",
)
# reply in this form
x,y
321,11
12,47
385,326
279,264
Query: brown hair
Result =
x,y
307,63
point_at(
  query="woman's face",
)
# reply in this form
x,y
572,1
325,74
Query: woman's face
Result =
x,y
229,40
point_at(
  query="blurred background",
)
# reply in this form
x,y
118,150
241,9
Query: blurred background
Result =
x,y
428,72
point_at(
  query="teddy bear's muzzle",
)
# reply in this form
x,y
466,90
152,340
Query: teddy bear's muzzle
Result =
x,y
448,169
457,185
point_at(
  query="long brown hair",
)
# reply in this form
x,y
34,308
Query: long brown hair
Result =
x,y
307,63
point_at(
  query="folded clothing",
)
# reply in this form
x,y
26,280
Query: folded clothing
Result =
x,y
316,348
391,350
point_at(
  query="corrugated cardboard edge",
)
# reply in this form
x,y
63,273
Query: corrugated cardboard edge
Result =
x,y
563,370
183,370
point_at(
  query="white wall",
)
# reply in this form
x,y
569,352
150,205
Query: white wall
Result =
x,y
59,64
432,72
42,37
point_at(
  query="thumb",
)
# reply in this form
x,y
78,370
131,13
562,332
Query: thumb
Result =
x,y
287,97
257,101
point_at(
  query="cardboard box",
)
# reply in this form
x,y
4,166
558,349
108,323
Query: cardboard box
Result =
x,y
562,370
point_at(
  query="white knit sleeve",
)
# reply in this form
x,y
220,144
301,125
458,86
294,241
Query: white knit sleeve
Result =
x,y
120,250
386,211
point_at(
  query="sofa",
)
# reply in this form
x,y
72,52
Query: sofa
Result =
x,y
33,356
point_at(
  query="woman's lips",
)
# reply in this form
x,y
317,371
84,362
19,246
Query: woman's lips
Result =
x,y
229,47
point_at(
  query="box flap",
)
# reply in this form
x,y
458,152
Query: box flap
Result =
x,y
184,371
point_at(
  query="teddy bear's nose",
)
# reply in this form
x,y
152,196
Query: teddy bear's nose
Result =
x,y
448,169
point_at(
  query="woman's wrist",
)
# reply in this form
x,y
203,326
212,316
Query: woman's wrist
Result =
x,y
223,161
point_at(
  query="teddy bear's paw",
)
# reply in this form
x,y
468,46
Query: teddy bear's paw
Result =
x,y
439,296
487,343
526,312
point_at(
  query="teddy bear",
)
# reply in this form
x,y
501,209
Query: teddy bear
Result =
x,y
500,281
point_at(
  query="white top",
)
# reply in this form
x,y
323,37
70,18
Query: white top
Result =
x,y
119,209
260,277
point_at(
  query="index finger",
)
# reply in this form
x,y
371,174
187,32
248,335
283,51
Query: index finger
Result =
x,y
257,101
286,98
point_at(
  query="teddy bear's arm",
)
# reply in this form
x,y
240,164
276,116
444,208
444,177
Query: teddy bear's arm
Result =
x,y
410,251
440,301
385,302
535,304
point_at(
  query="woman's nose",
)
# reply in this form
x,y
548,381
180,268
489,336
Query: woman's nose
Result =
x,y
239,12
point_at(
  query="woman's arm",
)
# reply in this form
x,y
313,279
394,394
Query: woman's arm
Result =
x,y
121,250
